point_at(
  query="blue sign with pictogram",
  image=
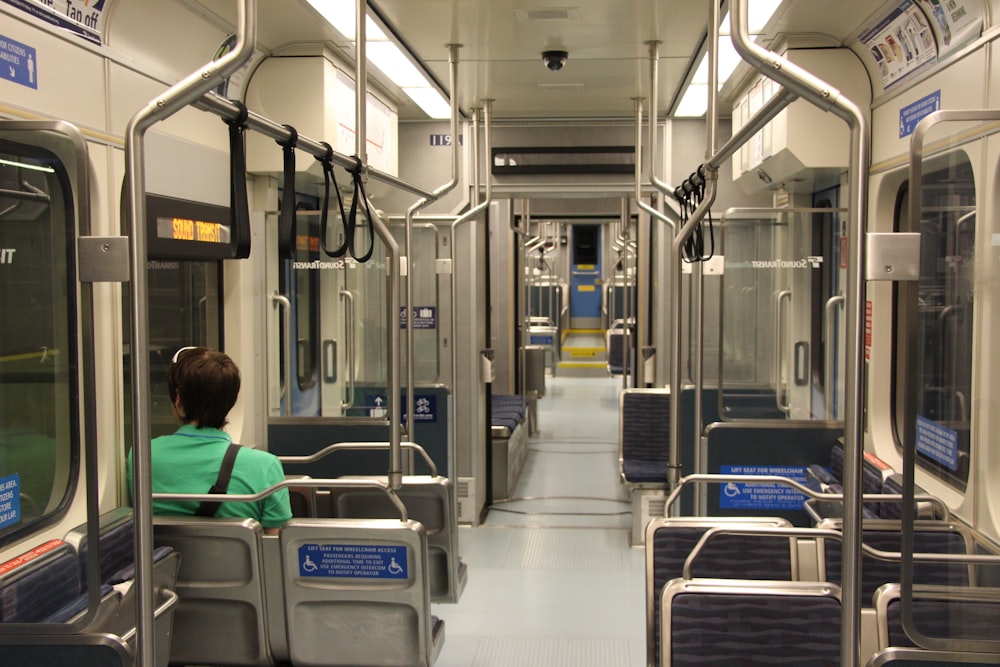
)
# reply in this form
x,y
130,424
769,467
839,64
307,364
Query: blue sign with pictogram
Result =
x,y
423,317
912,114
937,442
10,500
18,62
353,561
761,495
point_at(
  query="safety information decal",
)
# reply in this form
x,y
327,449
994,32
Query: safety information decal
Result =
x,y
18,62
912,114
761,496
353,561
938,443
423,317
10,500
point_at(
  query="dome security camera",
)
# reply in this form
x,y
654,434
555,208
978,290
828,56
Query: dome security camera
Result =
x,y
554,60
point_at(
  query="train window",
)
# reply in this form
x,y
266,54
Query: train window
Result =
x,y
585,244
39,422
184,309
943,370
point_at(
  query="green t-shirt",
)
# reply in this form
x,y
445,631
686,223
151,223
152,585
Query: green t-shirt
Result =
x,y
188,461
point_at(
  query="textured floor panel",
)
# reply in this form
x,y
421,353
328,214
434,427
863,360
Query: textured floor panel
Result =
x,y
552,580
551,652
567,549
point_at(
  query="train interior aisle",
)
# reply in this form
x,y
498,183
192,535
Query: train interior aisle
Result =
x,y
553,580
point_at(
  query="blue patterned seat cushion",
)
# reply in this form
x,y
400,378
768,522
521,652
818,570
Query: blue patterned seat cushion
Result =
x,y
726,556
40,586
724,629
645,435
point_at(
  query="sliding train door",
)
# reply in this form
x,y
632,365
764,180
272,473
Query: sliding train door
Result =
x,y
781,328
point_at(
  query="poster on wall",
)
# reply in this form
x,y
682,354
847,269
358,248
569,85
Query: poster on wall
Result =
x,y
954,22
379,122
902,43
87,18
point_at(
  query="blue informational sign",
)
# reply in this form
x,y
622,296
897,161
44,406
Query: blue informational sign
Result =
x,y
10,500
938,443
542,339
18,62
424,407
912,114
761,496
423,317
353,561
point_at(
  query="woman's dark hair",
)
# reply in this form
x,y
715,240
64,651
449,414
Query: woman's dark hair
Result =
x,y
208,382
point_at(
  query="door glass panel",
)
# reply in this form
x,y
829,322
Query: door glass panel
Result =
x,y
337,321
426,311
782,269
184,310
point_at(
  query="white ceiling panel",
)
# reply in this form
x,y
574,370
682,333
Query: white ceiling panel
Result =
x,y
502,42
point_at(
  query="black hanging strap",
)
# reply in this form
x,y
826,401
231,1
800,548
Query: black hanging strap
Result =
x,y
359,193
286,223
328,175
239,209
209,507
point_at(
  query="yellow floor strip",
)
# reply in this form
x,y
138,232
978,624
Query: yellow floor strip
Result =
x,y
589,352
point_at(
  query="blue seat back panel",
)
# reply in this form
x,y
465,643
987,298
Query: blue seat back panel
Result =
x,y
723,629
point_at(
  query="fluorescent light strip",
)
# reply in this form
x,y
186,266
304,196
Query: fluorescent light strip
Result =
x,y
694,102
431,101
24,165
387,56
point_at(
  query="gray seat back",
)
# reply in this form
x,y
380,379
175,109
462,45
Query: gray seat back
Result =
x,y
357,593
430,501
220,586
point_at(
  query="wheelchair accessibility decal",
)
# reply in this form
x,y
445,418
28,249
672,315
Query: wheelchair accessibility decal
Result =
x,y
761,496
353,561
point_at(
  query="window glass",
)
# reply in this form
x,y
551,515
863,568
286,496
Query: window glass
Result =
x,y
943,370
39,431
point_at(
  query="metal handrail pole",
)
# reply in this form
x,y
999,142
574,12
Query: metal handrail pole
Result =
x,y
819,93
310,482
471,214
162,106
408,234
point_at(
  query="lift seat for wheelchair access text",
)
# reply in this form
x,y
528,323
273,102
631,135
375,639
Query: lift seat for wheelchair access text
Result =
x,y
357,593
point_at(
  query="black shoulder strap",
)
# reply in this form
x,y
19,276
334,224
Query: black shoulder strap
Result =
x,y
209,508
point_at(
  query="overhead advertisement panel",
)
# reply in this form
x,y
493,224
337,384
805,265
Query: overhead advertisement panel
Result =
x,y
955,22
902,43
87,18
